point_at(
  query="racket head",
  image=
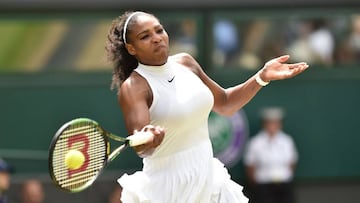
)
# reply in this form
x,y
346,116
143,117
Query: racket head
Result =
x,y
90,139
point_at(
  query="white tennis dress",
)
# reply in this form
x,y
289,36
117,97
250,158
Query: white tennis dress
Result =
x,y
182,169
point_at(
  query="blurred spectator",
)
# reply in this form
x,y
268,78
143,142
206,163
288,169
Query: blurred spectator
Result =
x,y
321,42
270,161
5,171
315,43
299,48
32,192
226,41
253,43
354,40
184,37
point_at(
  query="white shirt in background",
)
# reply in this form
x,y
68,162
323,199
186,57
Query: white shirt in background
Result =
x,y
272,157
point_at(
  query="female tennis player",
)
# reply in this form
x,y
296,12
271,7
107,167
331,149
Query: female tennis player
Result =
x,y
172,96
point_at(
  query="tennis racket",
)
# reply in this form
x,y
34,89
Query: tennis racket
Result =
x,y
92,142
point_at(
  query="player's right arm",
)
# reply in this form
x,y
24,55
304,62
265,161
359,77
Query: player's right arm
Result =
x,y
135,98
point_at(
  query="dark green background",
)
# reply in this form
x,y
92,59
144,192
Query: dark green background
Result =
x,y
322,115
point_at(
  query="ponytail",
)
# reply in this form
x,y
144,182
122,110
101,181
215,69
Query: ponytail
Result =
x,y
123,62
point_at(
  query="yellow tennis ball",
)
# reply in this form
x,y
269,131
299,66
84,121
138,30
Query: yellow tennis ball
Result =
x,y
74,159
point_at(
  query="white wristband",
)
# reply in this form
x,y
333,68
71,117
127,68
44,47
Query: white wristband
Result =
x,y
260,81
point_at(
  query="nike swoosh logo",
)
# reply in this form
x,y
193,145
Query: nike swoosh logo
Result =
x,y
171,79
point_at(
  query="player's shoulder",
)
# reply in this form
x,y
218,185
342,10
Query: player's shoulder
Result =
x,y
186,60
135,80
182,58
134,84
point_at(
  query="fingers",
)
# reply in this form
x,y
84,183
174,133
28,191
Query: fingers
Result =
x,y
282,59
297,69
158,136
158,133
276,69
298,65
147,128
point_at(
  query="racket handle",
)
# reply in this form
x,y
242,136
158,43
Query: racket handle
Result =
x,y
139,138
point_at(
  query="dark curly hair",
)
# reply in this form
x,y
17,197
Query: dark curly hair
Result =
x,y
123,62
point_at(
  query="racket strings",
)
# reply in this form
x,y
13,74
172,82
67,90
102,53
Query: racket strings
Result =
x,y
87,138
78,145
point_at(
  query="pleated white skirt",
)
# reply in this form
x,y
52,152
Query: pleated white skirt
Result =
x,y
190,176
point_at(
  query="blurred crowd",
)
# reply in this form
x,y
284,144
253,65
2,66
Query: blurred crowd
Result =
x,y
231,41
31,190
325,41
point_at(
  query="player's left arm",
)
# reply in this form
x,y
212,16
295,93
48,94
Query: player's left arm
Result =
x,y
228,101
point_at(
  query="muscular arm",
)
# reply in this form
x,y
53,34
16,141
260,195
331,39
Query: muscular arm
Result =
x,y
134,99
228,101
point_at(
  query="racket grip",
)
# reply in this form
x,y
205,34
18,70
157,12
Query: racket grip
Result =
x,y
139,138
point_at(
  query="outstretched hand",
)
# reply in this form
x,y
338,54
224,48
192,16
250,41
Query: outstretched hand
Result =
x,y
277,69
